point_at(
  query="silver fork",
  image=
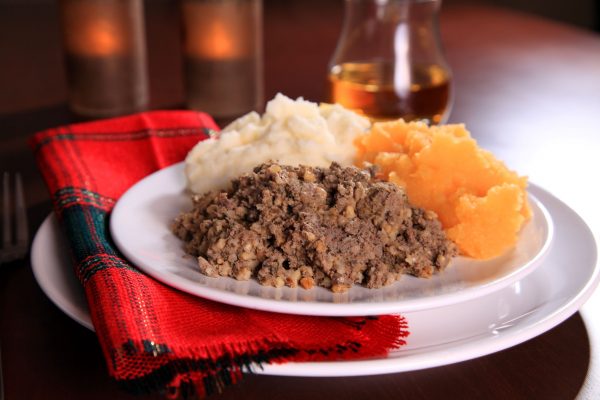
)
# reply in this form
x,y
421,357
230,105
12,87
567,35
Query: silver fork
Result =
x,y
13,248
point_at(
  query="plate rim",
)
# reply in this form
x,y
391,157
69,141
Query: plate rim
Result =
x,y
37,258
312,307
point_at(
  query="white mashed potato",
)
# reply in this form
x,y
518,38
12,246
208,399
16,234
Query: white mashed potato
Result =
x,y
291,132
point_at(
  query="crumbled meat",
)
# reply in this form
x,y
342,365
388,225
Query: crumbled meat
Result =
x,y
305,226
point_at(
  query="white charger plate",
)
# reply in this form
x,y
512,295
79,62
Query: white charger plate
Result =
x,y
439,336
140,227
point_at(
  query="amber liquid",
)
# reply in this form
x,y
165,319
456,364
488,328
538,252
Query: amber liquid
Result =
x,y
374,89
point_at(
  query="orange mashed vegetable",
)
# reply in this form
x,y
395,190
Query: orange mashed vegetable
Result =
x,y
482,204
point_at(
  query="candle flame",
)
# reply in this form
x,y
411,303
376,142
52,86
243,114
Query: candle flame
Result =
x,y
102,39
216,30
91,31
218,42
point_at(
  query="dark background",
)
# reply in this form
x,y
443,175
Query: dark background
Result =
x,y
585,13
36,21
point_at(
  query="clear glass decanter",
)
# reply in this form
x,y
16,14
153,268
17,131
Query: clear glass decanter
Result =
x,y
389,61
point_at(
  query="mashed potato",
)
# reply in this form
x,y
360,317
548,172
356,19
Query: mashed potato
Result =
x,y
290,132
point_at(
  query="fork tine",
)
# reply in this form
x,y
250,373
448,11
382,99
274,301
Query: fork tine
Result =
x,y
6,239
20,213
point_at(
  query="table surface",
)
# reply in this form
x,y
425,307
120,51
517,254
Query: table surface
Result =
x,y
527,88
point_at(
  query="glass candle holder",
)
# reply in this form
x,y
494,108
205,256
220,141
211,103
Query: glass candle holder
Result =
x,y
223,56
105,52
389,61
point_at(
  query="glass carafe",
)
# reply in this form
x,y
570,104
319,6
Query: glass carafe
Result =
x,y
389,61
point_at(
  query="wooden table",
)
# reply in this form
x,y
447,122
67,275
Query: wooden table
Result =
x,y
528,89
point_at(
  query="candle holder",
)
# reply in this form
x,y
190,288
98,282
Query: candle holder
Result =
x,y
223,56
105,52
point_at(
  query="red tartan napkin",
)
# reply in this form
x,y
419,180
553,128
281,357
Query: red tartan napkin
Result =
x,y
156,338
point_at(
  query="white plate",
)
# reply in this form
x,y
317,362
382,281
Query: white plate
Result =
x,y
140,227
491,323
53,270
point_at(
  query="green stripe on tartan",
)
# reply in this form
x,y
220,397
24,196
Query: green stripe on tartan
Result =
x,y
220,373
94,264
70,195
86,227
60,136
124,136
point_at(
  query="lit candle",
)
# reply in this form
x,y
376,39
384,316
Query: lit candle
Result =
x,y
105,56
223,55
97,38
94,29
218,30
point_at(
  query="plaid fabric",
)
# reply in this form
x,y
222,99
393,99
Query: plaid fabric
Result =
x,y
156,338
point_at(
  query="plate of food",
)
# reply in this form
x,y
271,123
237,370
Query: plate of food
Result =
x,y
439,336
272,214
